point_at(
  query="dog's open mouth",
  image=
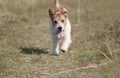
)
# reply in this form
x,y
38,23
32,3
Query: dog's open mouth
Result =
x,y
59,34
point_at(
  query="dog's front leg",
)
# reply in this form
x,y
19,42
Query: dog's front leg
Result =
x,y
66,43
55,46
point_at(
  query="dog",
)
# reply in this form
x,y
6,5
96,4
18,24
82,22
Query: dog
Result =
x,y
60,28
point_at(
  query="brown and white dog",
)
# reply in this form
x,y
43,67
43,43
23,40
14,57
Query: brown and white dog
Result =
x,y
60,28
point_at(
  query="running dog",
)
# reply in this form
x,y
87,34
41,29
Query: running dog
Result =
x,y
60,28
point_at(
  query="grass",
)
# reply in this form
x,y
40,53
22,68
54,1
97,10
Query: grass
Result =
x,y
26,53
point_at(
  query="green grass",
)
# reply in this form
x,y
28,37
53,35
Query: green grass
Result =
x,y
26,53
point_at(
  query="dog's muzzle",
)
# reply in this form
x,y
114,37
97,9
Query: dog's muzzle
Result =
x,y
60,32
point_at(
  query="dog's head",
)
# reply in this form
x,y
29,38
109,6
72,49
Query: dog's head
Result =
x,y
59,18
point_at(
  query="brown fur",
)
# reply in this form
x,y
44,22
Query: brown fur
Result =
x,y
59,15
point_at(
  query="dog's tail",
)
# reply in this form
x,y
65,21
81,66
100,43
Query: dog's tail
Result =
x,y
56,3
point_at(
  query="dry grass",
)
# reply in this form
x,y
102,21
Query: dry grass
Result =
x,y
26,53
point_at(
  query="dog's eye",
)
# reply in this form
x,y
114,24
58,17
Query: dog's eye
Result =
x,y
55,22
62,21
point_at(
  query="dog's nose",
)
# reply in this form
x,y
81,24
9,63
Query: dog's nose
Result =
x,y
59,28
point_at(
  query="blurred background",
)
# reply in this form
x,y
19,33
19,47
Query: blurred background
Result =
x,y
26,47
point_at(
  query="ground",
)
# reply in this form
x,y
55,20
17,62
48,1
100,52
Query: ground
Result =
x,y
26,46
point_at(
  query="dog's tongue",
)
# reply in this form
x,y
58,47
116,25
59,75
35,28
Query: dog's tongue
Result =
x,y
60,34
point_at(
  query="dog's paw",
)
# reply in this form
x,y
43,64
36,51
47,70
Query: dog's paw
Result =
x,y
63,50
56,53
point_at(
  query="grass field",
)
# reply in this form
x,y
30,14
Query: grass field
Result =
x,y
26,47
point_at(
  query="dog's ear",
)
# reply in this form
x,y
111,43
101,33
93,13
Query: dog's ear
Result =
x,y
50,13
65,12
